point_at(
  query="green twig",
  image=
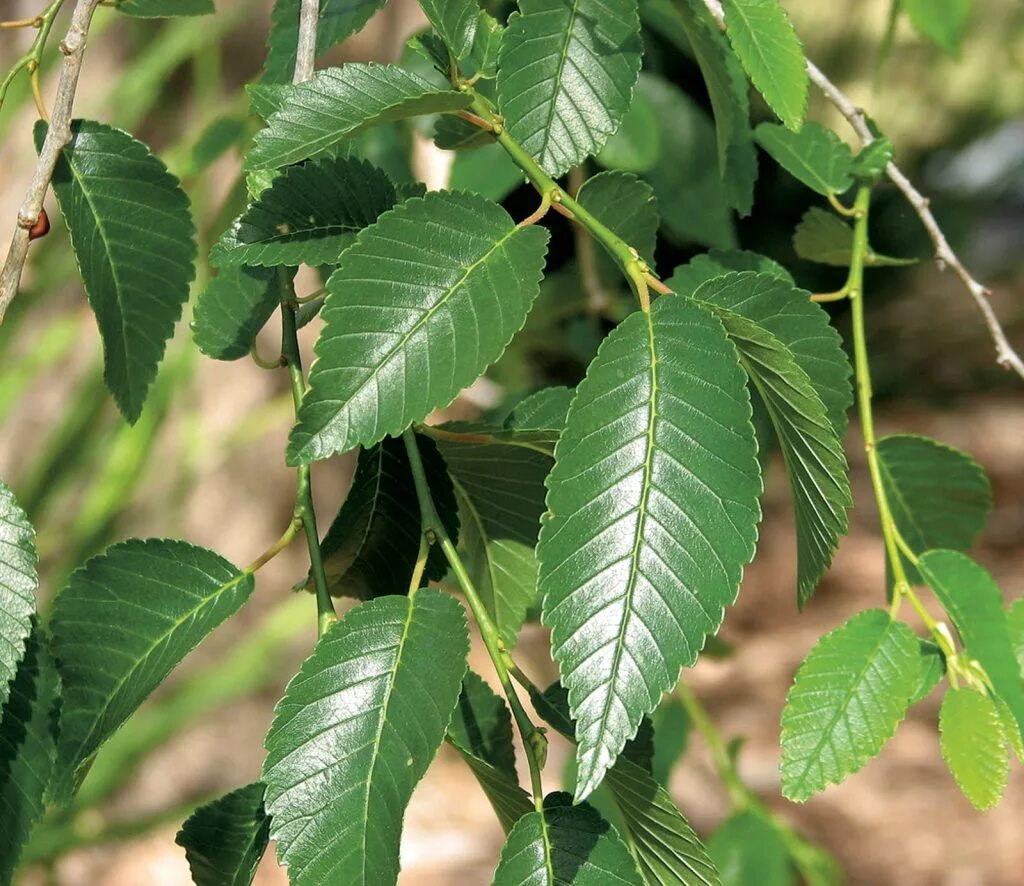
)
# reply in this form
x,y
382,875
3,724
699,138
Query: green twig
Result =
x,y
326,616
33,58
435,533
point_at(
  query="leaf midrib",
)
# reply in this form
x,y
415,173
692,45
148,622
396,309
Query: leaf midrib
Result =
x,y
410,608
642,514
562,59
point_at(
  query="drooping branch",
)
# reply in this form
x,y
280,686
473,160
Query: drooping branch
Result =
x,y
58,135
1006,356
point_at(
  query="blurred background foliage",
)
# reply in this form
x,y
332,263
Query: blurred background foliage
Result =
x,y
205,461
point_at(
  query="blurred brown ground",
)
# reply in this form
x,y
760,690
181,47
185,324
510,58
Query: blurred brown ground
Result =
x,y
901,820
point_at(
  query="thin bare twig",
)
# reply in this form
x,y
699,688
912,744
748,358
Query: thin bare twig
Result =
x,y
305,51
58,135
1006,356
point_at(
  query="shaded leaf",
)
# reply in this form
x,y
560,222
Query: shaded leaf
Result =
x,y
564,845
939,496
691,197
747,848
826,239
309,215
371,547
355,732
973,742
225,839
455,134
814,155
396,346
499,485
770,51
488,172
137,256
338,19
933,669
28,740
658,445
339,102
973,601
164,8
945,23
636,145
1015,621
122,623
626,204
481,730
547,408
872,159
785,341
846,701
727,89
232,310
566,73
671,736
19,579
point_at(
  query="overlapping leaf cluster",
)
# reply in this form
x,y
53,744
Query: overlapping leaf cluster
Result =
x,y
621,513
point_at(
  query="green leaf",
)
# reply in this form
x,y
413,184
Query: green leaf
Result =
x,y
488,172
973,742
872,159
566,73
122,623
708,265
404,330
28,739
848,697
973,601
481,731
355,732
19,579
165,8
661,840
225,839
499,485
825,238
944,22
939,496
654,502
309,215
770,51
455,134
338,20
814,155
727,89
933,669
339,102
636,145
137,257
691,197
233,309
1015,621
626,204
564,845
455,22
671,736
747,848
785,341
547,408
372,545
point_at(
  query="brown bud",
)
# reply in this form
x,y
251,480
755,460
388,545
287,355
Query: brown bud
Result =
x,y
41,228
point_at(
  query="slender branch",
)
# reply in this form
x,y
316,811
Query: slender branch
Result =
x,y
286,539
1006,356
434,532
57,136
326,616
305,53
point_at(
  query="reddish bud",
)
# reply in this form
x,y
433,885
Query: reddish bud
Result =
x,y
41,228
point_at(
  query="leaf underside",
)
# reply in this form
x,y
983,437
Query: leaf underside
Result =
x,y
18,582
974,746
232,310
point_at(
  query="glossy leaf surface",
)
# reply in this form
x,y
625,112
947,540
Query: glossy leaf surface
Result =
x,y
233,308
420,305
654,510
355,732
18,582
